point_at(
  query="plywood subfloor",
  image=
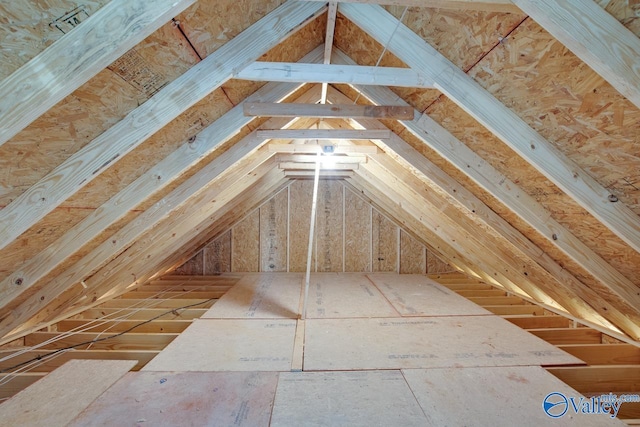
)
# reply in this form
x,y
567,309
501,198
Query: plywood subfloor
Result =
x,y
269,295
345,399
58,397
229,345
417,295
463,397
333,295
183,399
423,342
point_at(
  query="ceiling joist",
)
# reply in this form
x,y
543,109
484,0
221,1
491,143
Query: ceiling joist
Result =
x,y
324,134
505,6
327,111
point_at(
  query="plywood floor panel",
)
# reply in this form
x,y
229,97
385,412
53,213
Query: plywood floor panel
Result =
x,y
229,345
345,399
61,395
463,396
424,342
185,399
334,295
259,296
417,295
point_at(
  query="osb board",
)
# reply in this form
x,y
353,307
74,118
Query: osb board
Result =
x,y
28,28
357,228
414,295
264,295
334,295
245,244
229,345
436,265
185,398
61,395
521,391
329,226
345,398
217,255
193,267
424,342
299,217
273,233
384,243
413,255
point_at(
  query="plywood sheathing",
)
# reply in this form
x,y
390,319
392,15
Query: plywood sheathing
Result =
x,y
358,45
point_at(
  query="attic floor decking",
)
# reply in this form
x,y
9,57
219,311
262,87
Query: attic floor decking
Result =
x,y
251,329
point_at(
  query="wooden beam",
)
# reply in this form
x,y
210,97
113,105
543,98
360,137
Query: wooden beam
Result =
x,y
310,166
559,336
76,57
328,111
604,354
117,326
306,158
141,357
497,118
170,168
505,6
323,134
317,148
538,322
327,174
113,144
130,341
332,13
601,379
336,74
594,36
510,195
140,313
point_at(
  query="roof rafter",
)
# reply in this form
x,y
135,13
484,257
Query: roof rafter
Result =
x,y
497,118
88,162
594,36
506,191
79,55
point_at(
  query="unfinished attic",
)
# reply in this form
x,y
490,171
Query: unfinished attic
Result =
x,y
289,213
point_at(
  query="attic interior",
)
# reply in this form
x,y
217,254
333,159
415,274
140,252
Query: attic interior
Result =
x,y
156,157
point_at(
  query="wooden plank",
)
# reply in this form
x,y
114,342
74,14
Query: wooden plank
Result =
x,y
344,296
317,148
43,403
240,399
167,295
560,336
462,341
48,364
300,215
594,36
76,57
348,398
230,345
505,6
600,379
128,341
141,313
323,134
88,162
538,322
501,300
328,110
332,14
414,295
327,164
329,227
297,358
501,121
357,245
524,386
515,309
156,303
217,255
258,296
604,354
413,255
273,233
479,293
245,245
117,326
17,382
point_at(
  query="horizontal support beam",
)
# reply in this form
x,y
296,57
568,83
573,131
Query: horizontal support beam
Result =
x,y
323,134
326,164
604,354
323,174
306,158
601,379
265,109
315,148
46,365
336,74
129,341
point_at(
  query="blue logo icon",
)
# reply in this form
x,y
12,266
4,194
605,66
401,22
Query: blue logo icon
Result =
x,y
555,405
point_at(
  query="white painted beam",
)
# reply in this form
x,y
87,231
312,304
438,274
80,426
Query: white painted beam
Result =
x,y
79,55
500,120
87,163
337,74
